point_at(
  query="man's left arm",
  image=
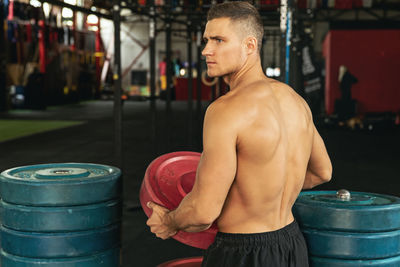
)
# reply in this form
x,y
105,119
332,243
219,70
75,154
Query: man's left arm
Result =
x,y
214,177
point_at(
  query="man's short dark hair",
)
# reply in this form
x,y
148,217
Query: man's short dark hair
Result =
x,y
243,12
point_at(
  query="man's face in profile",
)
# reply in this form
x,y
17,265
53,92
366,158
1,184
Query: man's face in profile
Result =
x,y
224,50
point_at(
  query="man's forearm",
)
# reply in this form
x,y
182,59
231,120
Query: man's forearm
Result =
x,y
187,217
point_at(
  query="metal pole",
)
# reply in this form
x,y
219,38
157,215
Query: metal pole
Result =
x,y
214,92
169,81
190,85
117,94
296,77
198,84
3,88
117,85
282,56
153,109
283,28
288,36
274,53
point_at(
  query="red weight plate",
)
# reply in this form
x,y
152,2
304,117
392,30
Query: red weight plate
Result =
x,y
167,180
187,262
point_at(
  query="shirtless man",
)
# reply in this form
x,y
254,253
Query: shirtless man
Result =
x,y
260,149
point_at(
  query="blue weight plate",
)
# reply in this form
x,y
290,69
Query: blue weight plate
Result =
x,y
109,258
356,246
59,245
363,212
60,219
60,184
327,262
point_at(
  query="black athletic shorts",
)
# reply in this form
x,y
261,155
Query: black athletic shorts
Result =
x,y
283,247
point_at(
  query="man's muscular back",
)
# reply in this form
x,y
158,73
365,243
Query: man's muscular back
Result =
x,y
274,136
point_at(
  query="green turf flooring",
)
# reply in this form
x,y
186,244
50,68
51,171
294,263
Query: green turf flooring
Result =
x,y
12,129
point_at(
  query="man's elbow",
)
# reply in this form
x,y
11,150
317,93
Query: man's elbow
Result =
x,y
207,216
326,174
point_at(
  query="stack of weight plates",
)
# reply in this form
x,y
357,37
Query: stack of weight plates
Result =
x,y
350,228
60,215
168,179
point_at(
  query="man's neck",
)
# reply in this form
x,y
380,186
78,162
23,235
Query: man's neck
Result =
x,y
249,73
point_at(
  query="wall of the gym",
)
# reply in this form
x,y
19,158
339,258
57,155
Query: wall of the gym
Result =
x,y
373,57
321,28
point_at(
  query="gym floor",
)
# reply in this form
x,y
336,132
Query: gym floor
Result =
x,y
363,160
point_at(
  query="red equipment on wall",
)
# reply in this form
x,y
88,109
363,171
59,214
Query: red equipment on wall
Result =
x,y
42,47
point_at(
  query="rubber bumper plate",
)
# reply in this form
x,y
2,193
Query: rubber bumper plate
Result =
x,y
327,262
59,245
345,245
109,258
64,184
362,212
186,262
167,181
60,219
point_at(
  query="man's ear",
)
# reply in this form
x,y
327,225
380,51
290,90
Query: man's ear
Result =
x,y
251,45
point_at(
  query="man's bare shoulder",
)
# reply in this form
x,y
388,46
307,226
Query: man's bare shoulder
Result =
x,y
243,102
221,111
280,87
285,93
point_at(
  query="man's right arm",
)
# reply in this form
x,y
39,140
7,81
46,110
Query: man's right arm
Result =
x,y
319,169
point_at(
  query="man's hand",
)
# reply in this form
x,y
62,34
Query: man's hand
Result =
x,y
159,222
